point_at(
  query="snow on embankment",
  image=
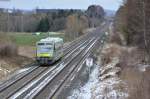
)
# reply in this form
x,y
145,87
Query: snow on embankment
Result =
x,y
104,82
110,86
123,74
85,92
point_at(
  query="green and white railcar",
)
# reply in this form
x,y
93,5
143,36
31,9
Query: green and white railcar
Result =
x,y
49,50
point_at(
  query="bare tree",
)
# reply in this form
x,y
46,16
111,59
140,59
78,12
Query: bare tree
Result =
x,y
137,25
75,25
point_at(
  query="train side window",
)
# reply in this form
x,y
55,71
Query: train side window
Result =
x,y
48,43
40,44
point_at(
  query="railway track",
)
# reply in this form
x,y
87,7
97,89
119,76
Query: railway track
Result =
x,y
68,77
46,77
35,67
45,82
12,87
77,66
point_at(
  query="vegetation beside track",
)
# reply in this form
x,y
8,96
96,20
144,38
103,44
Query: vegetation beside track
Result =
x,y
29,39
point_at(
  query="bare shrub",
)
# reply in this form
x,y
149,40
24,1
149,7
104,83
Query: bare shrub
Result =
x,y
128,56
115,38
109,52
75,26
130,60
7,48
4,38
138,82
131,57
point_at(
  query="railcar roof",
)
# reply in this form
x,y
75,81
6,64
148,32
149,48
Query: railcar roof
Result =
x,y
52,39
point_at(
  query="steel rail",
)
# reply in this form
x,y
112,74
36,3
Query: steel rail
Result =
x,y
73,69
46,75
71,75
47,69
10,82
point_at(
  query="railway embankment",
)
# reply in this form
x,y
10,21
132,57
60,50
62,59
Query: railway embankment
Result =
x,y
120,73
110,85
123,74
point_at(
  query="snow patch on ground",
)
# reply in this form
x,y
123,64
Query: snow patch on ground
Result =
x,y
103,83
109,89
5,69
142,67
85,92
110,86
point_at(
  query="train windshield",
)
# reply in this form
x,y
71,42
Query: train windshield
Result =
x,y
44,50
44,47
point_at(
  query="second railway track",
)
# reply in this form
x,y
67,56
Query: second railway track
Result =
x,y
47,78
45,82
35,67
20,83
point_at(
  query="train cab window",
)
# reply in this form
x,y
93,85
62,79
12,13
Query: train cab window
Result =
x,y
48,43
40,44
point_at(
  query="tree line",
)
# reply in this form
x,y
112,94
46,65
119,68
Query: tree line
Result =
x,y
132,20
17,21
44,20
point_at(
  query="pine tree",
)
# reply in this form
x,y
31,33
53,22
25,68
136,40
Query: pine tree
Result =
x,y
43,25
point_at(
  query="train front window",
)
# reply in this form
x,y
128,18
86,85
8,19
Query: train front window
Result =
x,y
44,49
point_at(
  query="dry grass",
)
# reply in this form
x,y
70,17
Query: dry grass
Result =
x,y
109,52
128,56
9,58
7,48
4,38
118,38
130,59
138,82
110,85
27,51
9,65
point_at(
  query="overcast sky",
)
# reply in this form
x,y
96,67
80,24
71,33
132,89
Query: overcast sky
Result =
x,y
61,4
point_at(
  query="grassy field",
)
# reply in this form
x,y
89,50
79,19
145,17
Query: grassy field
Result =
x,y
27,39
